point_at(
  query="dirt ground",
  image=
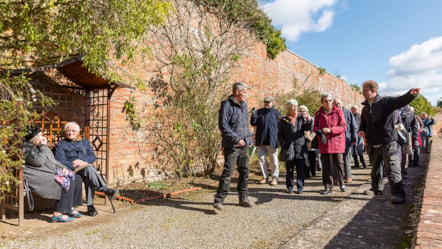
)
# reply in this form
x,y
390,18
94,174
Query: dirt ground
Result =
x,y
130,194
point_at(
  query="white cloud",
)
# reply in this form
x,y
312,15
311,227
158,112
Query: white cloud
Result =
x,y
294,17
418,67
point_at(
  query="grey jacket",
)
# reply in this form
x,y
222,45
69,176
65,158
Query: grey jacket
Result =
x,y
40,169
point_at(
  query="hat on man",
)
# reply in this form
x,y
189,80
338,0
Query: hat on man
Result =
x,y
269,99
32,132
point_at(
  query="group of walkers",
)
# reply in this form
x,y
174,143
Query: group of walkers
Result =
x,y
333,135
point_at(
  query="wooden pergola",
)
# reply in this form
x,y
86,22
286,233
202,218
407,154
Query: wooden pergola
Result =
x,y
82,97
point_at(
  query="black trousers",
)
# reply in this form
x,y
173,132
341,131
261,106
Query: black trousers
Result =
x,y
330,162
232,157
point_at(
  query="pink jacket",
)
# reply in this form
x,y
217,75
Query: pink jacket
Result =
x,y
335,120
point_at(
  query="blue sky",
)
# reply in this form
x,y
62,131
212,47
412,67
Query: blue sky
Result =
x,y
397,43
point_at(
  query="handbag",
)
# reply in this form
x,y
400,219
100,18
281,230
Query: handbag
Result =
x,y
287,154
314,144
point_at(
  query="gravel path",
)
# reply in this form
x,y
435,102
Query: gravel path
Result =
x,y
278,220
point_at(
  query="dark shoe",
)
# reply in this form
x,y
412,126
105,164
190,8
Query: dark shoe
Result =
x,y
218,206
111,193
327,191
397,199
73,213
244,202
343,188
364,165
300,191
91,211
60,219
371,192
289,191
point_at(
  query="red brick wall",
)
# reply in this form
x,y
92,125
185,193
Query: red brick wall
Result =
x,y
132,156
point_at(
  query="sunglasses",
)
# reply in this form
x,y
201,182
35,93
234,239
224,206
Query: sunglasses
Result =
x,y
267,102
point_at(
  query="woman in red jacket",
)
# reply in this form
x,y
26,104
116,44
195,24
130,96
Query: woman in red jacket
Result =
x,y
330,126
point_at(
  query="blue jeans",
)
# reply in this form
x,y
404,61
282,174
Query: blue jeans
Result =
x,y
234,156
358,150
300,174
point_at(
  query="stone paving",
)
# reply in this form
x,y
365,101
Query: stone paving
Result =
x,y
278,220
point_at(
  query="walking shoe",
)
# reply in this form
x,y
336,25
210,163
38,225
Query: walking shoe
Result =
x,y
244,202
289,191
73,213
371,192
348,180
264,180
274,182
327,191
397,199
218,205
300,191
59,218
91,211
343,188
111,193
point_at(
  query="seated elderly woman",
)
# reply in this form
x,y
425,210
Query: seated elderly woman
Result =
x,y
78,155
41,172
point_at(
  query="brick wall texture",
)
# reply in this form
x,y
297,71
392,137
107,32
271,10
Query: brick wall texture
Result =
x,y
132,156
429,231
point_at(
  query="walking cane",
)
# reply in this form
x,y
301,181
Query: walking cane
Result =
x,y
110,199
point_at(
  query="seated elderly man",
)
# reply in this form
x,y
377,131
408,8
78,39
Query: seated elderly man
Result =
x,y
79,156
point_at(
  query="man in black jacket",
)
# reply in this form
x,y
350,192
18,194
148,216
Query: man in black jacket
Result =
x,y
236,138
377,126
266,121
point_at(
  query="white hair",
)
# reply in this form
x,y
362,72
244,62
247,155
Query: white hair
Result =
x,y
72,123
304,107
291,102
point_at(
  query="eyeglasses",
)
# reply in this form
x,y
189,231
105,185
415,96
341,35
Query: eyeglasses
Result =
x,y
327,101
267,102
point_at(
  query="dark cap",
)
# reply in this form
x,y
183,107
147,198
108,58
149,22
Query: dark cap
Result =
x,y
32,132
268,99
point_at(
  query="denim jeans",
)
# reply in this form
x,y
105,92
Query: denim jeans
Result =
x,y
358,150
234,156
300,174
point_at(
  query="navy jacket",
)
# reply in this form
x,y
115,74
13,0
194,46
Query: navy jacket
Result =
x,y
377,119
67,151
266,122
233,123
351,134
